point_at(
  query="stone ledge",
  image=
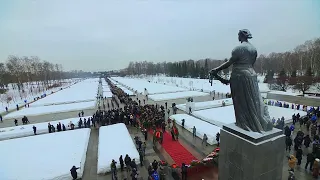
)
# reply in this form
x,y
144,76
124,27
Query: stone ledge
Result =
x,y
254,137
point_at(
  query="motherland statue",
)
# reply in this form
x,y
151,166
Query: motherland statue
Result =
x,y
250,111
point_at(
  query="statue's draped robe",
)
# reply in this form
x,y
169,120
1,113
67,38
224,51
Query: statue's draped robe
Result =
x,y
250,111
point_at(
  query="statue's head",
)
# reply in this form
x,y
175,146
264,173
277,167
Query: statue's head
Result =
x,y
244,35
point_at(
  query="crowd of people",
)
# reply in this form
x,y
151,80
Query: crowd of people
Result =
x,y
145,116
306,142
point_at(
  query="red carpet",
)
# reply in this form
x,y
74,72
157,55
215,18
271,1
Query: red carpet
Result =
x,y
177,152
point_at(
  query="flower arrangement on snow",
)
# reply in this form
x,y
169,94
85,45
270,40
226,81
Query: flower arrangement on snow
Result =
x,y
163,163
195,162
211,156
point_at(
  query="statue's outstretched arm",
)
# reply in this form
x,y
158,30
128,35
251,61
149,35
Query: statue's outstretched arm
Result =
x,y
226,64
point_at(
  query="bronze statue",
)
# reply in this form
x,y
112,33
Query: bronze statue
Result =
x,y
250,111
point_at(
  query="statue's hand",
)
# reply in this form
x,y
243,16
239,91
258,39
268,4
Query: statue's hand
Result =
x,y
214,71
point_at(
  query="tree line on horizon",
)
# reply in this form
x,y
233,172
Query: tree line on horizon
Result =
x,y
18,71
298,68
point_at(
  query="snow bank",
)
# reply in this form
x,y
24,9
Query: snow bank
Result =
x,y
127,91
40,110
202,127
153,88
82,91
206,105
114,141
225,115
176,95
31,90
107,94
42,128
284,93
44,157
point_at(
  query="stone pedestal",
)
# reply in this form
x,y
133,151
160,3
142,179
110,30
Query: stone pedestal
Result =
x,y
248,155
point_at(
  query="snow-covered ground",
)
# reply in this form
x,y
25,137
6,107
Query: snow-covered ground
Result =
x,y
176,95
152,88
225,115
197,84
202,127
42,128
106,88
107,94
285,93
113,81
40,110
82,91
31,90
205,105
126,90
114,141
44,157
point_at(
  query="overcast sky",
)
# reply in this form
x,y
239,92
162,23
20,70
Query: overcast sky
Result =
x,y
108,34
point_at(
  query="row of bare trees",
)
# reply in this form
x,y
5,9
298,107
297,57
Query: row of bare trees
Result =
x,y
299,59
298,68
20,70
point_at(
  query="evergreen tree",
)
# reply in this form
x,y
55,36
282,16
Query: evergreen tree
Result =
x,y
269,76
309,72
294,73
282,73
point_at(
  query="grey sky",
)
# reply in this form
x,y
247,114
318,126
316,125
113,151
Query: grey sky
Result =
x,y
106,34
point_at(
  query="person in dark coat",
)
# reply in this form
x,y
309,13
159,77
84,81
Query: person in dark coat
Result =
x,y
16,122
121,163
49,127
141,157
183,120
34,130
145,133
127,161
133,164
155,165
288,143
63,127
307,141
184,171
287,131
73,172
310,160
299,155
59,128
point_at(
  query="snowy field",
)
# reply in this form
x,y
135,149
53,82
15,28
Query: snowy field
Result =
x,y
40,110
197,84
202,127
152,88
177,95
44,157
285,93
82,91
31,90
113,81
112,148
225,115
126,90
206,105
107,94
106,89
42,128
